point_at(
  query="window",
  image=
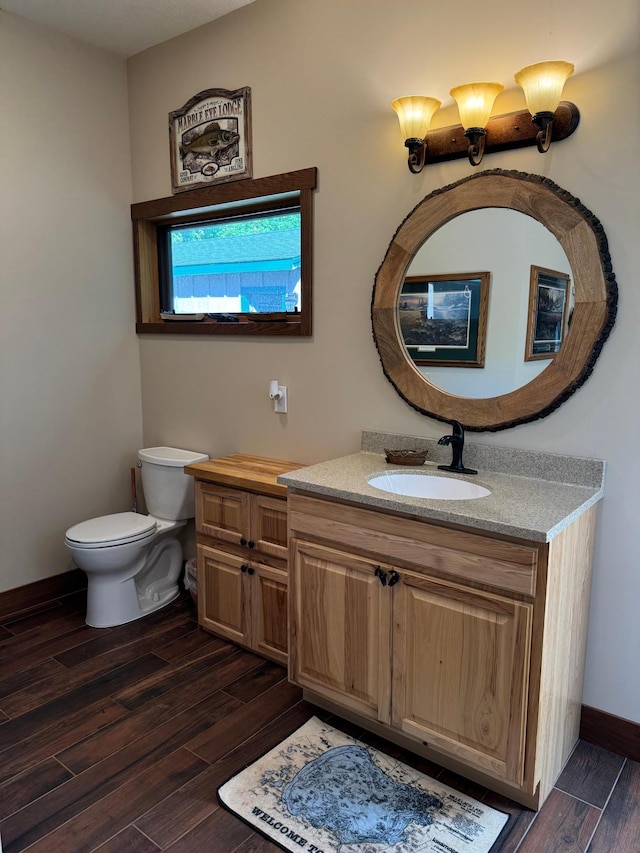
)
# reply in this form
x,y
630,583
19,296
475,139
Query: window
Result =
x,y
247,264
230,259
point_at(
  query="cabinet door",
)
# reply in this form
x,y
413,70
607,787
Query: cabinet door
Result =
x,y
270,612
223,600
340,640
222,512
461,668
269,525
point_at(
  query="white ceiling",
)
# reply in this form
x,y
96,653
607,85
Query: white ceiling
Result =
x,y
123,26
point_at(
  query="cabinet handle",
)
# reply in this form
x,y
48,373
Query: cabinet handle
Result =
x,y
251,544
381,575
243,568
243,541
394,577
250,571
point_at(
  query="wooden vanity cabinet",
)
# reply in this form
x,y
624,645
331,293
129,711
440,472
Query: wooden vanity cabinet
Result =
x,y
244,601
462,646
340,629
460,672
241,536
239,517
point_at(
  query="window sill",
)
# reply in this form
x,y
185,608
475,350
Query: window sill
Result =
x,y
288,328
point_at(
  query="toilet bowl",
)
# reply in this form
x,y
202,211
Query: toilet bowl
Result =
x,y
133,562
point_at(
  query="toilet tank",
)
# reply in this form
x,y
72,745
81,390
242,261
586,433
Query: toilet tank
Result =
x,y
168,491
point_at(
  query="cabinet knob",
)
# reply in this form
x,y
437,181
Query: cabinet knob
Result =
x,y
251,544
243,568
381,575
250,571
243,541
394,577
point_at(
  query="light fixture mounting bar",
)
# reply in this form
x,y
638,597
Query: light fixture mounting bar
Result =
x,y
511,130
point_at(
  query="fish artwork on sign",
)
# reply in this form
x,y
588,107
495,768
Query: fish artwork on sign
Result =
x,y
206,150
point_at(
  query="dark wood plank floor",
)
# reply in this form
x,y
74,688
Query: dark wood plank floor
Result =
x,y
116,740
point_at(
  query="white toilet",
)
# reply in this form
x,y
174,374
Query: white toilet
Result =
x,y
133,561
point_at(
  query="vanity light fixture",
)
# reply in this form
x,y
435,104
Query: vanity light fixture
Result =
x,y
415,114
542,85
547,119
475,103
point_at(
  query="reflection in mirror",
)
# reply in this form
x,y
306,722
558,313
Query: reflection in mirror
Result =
x,y
443,318
507,243
551,300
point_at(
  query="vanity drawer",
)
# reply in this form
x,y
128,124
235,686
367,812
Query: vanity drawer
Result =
x,y
422,546
222,512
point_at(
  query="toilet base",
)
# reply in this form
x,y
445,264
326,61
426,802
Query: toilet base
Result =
x,y
140,590
98,617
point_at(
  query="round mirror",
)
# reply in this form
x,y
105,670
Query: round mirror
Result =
x,y
493,301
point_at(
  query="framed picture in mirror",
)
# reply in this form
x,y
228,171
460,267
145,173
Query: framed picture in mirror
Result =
x,y
443,318
549,312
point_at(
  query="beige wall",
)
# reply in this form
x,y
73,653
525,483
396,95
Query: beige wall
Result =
x,y
322,74
70,413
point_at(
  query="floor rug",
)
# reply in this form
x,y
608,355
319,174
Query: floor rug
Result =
x,y
321,791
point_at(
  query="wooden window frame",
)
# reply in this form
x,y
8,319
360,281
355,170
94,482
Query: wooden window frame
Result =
x,y
212,203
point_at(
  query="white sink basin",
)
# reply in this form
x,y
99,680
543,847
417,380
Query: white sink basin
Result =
x,y
428,486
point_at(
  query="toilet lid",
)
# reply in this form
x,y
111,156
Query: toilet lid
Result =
x,y
117,529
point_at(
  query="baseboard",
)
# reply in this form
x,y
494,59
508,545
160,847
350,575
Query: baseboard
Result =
x,y
610,732
32,595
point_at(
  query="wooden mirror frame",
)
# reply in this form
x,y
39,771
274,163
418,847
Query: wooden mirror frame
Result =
x,y
585,244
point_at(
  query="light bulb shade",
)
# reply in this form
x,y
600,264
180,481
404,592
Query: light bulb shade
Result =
x,y
415,114
475,102
543,84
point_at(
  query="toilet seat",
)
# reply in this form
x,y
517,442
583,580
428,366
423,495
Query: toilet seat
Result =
x,y
107,531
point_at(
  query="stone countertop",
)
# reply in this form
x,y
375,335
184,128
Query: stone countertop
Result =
x,y
524,507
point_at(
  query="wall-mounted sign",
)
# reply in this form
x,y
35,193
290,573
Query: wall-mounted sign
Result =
x,y
210,138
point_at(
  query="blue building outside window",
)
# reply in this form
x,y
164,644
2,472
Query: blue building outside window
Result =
x,y
247,265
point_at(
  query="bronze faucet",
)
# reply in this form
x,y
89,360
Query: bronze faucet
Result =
x,y
456,440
